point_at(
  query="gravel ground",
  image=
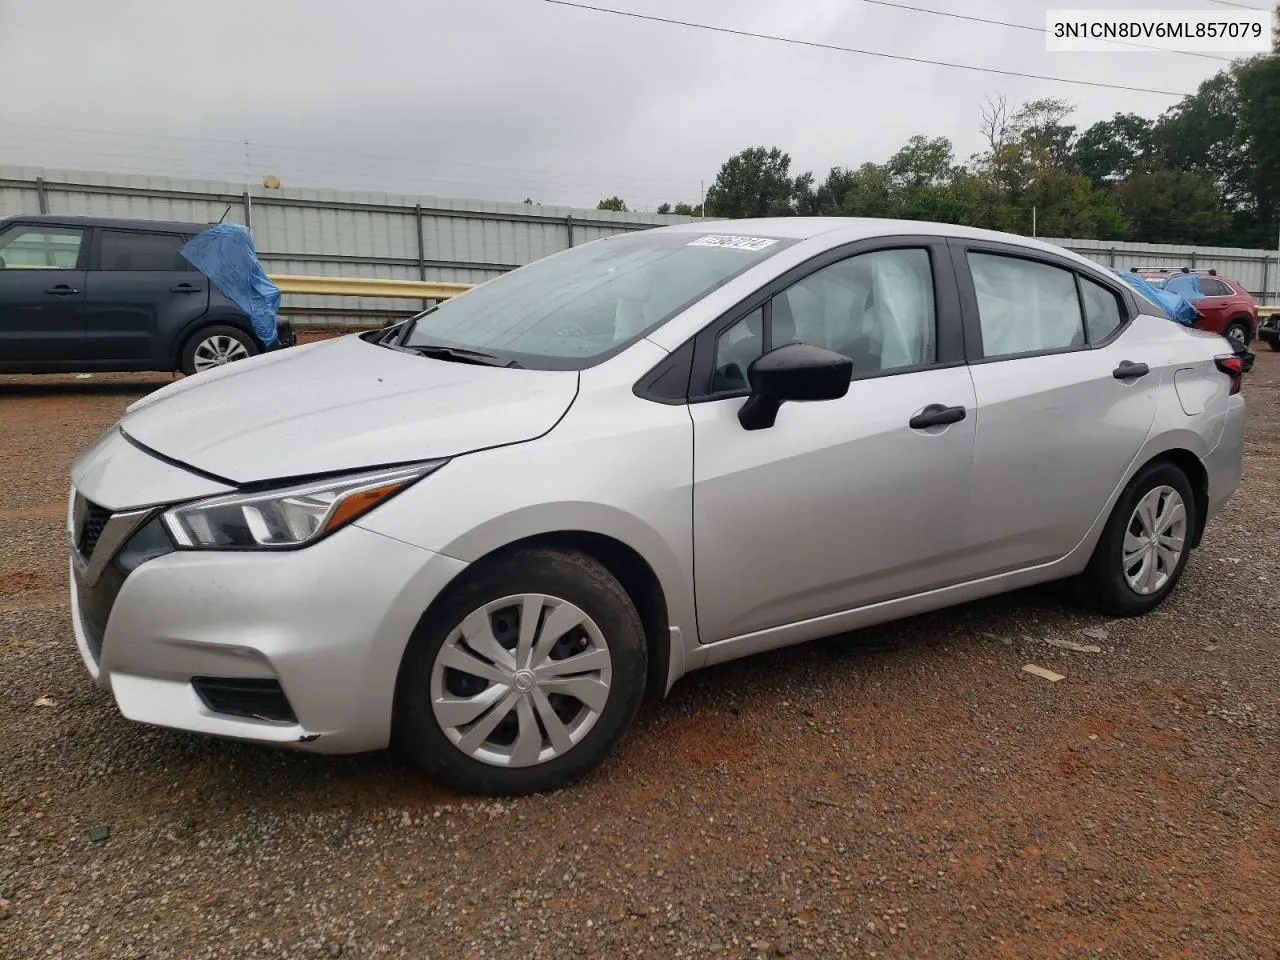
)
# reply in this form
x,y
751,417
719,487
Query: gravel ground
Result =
x,y
903,792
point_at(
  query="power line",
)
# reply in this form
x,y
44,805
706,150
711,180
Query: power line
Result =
x,y
1033,29
855,50
1242,6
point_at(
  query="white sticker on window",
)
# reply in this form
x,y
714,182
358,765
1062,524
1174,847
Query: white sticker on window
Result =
x,y
735,243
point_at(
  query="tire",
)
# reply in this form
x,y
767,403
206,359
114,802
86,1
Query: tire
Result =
x,y
1274,344
1242,330
1105,585
206,345
432,694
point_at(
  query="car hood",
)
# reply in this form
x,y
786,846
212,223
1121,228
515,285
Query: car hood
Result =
x,y
343,404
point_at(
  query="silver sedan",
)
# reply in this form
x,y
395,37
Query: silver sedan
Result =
x,y
484,535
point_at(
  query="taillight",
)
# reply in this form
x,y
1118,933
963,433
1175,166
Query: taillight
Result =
x,y
1233,367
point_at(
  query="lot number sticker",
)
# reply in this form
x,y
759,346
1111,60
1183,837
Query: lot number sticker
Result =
x,y
734,243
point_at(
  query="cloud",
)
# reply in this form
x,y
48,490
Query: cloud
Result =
x,y
515,98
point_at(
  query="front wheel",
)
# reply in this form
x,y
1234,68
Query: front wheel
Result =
x,y
524,677
215,346
1145,545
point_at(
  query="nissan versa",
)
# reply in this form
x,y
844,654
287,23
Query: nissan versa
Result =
x,y
484,534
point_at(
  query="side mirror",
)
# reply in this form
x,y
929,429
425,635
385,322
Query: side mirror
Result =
x,y
797,371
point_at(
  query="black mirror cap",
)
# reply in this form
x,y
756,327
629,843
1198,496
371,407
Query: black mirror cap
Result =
x,y
797,371
801,371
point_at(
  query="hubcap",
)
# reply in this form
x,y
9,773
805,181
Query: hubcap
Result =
x,y
217,350
1154,540
521,680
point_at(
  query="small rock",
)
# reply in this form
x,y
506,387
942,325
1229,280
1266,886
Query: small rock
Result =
x,y
782,948
1209,647
46,702
99,834
1097,633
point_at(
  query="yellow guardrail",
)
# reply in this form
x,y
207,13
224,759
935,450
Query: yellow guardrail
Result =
x,y
417,289
358,287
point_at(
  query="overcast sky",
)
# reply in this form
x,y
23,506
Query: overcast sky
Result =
x,y
507,99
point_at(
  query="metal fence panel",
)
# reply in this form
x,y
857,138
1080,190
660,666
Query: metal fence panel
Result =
x,y
369,234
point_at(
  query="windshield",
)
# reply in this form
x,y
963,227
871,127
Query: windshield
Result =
x,y
576,308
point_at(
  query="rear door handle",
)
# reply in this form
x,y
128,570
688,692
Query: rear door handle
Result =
x,y
61,290
185,288
1130,371
936,415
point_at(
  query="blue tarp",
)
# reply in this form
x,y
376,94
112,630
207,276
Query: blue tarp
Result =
x,y
1178,307
226,255
1185,285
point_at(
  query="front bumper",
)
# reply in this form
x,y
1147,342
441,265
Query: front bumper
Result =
x,y
328,623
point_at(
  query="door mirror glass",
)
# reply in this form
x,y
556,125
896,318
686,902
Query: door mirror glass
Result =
x,y
797,371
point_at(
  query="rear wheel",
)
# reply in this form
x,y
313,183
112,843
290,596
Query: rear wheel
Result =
x,y
524,677
215,346
1145,545
1238,331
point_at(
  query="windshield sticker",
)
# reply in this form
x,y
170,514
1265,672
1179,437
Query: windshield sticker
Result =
x,y
734,243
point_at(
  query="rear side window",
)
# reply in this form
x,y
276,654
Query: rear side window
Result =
x,y
1102,316
40,248
1215,288
127,250
1025,306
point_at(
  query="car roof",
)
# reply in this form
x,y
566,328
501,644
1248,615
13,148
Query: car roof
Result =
x,y
835,231
120,223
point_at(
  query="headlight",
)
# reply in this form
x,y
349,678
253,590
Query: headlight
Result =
x,y
287,517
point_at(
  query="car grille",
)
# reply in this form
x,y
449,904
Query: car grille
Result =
x,y
254,699
95,520
95,606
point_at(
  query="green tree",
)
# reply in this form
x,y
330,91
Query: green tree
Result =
x,y
1258,89
1115,149
1201,135
664,208
613,203
922,162
1174,206
756,182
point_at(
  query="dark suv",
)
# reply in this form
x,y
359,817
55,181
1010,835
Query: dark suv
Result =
x,y
84,293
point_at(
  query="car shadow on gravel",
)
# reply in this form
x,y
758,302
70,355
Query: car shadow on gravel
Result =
x,y
169,767
30,388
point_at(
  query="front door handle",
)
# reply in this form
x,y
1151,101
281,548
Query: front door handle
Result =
x,y
936,415
61,290
185,288
1130,371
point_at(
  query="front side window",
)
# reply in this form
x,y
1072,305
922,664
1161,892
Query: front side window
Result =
x,y
40,248
578,307
1025,306
735,349
127,250
876,308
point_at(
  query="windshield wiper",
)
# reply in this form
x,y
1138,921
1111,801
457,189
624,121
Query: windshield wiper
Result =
x,y
455,354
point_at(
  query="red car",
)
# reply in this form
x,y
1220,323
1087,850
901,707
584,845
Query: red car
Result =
x,y
1227,308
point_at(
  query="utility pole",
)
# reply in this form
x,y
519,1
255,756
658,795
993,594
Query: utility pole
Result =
x,y
248,200
702,204
1033,221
